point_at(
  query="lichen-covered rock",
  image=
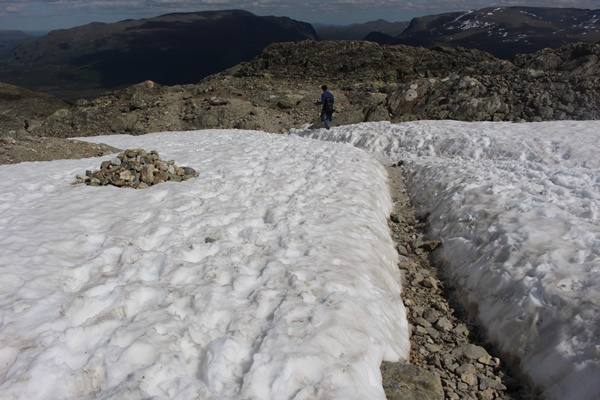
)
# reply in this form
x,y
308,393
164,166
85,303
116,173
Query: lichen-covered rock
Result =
x,y
138,169
467,373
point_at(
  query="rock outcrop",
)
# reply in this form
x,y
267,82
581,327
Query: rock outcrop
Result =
x,y
138,169
364,64
22,110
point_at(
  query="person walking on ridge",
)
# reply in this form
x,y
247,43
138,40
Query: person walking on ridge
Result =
x,y
327,101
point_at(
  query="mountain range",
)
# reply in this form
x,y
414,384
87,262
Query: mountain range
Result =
x,y
169,49
184,48
502,31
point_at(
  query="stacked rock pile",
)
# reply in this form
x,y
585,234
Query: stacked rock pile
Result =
x,y
138,169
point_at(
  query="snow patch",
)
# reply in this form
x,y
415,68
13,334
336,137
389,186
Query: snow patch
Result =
x,y
270,276
518,209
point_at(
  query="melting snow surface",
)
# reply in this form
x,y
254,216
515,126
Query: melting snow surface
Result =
x,y
518,209
270,276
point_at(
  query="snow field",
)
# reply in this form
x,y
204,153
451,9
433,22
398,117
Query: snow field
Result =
x,y
518,209
270,276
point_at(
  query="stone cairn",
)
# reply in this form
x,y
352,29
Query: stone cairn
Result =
x,y
138,169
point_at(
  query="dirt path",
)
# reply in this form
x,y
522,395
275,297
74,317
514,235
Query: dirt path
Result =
x,y
449,361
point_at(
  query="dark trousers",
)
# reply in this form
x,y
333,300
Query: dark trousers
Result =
x,y
326,118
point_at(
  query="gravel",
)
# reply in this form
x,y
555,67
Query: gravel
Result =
x,y
445,343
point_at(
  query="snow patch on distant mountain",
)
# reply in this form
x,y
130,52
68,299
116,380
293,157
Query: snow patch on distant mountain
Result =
x,y
505,31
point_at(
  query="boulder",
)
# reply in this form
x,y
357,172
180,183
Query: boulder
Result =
x,y
410,382
467,373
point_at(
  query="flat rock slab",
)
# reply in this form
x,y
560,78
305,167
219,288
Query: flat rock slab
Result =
x,y
410,382
31,148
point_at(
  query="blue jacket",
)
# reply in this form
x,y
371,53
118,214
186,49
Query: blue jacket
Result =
x,y
327,101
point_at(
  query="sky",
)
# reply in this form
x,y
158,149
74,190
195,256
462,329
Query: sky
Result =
x,y
43,15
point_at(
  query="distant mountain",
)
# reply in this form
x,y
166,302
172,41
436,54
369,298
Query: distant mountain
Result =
x,y
381,38
169,49
9,39
504,31
359,31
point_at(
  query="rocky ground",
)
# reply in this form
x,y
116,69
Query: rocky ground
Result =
x,y
23,110
31,148
448,358
21,113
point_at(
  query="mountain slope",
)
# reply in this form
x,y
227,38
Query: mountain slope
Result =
x,y
505,31
381,38
359,31
170,49
9,39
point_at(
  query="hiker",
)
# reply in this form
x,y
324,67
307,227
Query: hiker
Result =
x,y
326,101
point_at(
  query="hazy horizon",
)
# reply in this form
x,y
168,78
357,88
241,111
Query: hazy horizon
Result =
x,y
38,15
27,27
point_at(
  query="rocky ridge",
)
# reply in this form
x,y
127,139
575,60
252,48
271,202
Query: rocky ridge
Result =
x,y
277,90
